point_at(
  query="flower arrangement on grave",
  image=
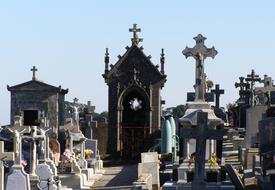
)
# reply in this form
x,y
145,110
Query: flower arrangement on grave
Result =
x,y
88,153
24,163
213,160
67,156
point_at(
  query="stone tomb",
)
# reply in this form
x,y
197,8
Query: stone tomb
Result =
x,y
46,177
150,165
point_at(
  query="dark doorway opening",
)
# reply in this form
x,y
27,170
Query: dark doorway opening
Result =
x,y
31,117
135,125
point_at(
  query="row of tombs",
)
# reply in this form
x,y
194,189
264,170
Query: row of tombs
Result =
x,y
203,147
50,142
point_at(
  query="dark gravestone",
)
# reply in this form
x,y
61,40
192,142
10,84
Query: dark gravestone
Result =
x,y
201,133
217,93
209,97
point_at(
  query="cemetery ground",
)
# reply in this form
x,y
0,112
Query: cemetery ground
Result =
x,y
117,176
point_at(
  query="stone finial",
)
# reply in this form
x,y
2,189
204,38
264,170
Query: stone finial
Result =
x,y
135,39
106,60
162,61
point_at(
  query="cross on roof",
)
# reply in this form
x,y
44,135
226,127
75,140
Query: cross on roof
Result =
x,y
34,69
135,30
217,91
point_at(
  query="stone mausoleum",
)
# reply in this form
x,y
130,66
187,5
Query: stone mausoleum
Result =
x,y
135,85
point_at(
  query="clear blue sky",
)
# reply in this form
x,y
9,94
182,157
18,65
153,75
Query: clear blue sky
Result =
x,y
66,41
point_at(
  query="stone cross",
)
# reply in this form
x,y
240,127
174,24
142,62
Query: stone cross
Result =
x,y
33,138
217,93
17,132
200,52
201,133
34,69
135,30
162,61
252,78
244,87
75,101
3,156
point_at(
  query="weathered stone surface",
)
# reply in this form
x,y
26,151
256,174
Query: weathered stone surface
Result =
x,y
18,179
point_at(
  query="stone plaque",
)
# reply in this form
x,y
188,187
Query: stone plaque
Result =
x,y
91,144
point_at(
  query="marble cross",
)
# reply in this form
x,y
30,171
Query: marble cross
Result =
x,y
33,138
200,52
17,132
135,30
3,156
217,91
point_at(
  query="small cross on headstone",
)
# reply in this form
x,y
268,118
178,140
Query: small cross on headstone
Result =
x,y
200,52
135,39
217,93
34,69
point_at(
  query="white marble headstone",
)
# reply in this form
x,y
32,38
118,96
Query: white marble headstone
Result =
x,y
149,157
18,179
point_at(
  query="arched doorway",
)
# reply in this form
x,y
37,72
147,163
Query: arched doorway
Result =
x,y
134,122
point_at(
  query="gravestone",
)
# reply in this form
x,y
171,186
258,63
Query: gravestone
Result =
x,y
253,116
46,177
17,179
92,145
149,157
217,91
150,168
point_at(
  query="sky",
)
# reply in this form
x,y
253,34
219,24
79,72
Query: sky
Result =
x,y
66,41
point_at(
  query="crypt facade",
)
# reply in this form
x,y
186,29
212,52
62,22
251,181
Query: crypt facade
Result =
x,y
134,100
35,100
